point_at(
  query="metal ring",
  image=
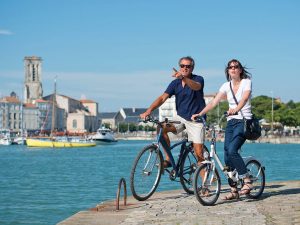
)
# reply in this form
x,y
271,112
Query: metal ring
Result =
x,y
122,180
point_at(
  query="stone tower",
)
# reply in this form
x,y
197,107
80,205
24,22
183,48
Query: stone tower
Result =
x,y
33,79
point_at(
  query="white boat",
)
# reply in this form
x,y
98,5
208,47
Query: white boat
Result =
x,y
103,135
19,140
5,137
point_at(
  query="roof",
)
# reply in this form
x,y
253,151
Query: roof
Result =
x,y
87,101
135,112
132,119
29,105
107,115
41,101
10,99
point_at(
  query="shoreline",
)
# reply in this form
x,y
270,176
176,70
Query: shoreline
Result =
x,y
271,140
176,207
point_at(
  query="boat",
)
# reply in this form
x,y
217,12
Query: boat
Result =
x,y
103,135
19,141
60,142
5,138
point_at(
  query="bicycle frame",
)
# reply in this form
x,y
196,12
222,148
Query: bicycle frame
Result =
x,y
160,141
214,158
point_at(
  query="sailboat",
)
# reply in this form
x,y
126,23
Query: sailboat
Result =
x,y
58,141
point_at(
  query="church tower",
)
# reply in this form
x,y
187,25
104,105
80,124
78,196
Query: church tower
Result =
x,y
33,79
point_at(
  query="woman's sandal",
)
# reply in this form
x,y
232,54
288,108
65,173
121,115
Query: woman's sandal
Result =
x,y
247,187
232,196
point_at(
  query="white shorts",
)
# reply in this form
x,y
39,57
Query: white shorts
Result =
x,y
195,130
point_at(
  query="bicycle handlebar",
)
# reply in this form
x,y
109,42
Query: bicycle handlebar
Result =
x,y
156,121
201,119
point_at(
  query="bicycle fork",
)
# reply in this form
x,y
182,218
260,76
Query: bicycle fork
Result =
x,y
207,179
147,171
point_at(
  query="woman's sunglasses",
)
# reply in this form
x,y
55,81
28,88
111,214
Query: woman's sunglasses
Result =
x,y
233,67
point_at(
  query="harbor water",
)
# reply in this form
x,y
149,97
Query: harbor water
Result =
x,y
45,186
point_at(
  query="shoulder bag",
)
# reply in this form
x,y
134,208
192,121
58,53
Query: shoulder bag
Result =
x,y
252,129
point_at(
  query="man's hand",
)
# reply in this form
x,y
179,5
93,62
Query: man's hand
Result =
x,y
144,115
193,116
177,74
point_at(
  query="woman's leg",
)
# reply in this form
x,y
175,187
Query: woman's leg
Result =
x,y
236,141
228,138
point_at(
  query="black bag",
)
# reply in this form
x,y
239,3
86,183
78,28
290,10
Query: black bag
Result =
x,y
252,129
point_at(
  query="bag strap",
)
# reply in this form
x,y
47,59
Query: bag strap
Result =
x,y
235,99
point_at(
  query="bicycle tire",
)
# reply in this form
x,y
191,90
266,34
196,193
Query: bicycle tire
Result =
x,y
257,175
188,168
146,172
207,187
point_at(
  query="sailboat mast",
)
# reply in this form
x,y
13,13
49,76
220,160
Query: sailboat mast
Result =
x,y
53,109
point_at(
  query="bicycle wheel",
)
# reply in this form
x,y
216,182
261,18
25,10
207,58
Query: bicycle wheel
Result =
x,y
207,184
257,176
146,172
188,168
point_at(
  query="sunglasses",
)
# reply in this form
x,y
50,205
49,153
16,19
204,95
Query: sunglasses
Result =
x,y
234,67
186,66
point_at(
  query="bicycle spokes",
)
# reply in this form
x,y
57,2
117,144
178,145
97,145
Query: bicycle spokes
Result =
x,y
207,184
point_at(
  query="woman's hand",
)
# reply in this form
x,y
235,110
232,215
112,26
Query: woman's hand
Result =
x,y
232,111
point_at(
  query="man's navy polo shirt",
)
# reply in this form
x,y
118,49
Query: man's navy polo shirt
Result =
x,y
188,101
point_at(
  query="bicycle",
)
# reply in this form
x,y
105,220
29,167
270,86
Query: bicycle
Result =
x,y
207,180
148,165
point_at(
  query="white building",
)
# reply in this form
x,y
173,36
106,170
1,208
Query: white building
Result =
x,y
168,109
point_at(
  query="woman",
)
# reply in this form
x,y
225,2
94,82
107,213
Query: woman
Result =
x,y
239,79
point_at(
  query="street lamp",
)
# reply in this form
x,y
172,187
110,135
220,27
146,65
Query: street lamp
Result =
x,y
272,113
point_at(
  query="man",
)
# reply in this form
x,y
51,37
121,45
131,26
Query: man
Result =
x,y
188,90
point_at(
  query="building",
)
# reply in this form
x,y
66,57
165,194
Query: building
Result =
x,y
10,113
110,119
33,79
81,115
168,108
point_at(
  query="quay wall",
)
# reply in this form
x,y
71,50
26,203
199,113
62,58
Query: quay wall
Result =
x,y
279,204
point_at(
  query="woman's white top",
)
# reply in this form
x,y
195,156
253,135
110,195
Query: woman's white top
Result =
x,y
245,85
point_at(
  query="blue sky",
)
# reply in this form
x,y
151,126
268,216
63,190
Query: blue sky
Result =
x,y
121,53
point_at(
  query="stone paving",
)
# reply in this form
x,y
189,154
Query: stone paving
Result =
x,y
280,204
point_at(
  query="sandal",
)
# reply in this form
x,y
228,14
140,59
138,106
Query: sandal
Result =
x,y
167,164
247,187
233,195
205,192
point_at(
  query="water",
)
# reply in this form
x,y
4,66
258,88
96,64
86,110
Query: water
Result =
x,y
45,186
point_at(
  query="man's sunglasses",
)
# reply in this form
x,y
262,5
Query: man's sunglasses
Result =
x,y
186,66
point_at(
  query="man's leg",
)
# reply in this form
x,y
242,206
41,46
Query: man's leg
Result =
x,y
199,152
165,135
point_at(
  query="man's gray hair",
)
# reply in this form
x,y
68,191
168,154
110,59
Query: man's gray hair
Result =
x,y
187,58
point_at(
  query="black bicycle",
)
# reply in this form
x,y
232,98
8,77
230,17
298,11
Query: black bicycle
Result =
x,y
148,165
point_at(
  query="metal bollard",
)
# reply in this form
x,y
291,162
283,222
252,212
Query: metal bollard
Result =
x,y
122,180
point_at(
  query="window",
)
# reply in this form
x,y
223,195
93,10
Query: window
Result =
x,y
33,73
74,123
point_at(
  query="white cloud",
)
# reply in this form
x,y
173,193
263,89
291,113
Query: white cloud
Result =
x,y
5,32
